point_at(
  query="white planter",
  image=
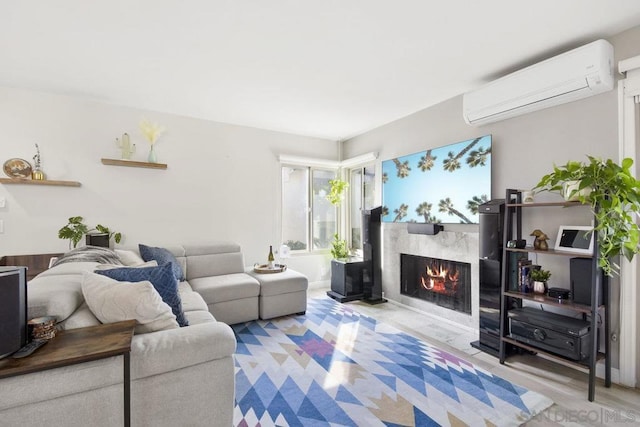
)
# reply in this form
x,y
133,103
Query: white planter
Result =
x,y
539,287
571,186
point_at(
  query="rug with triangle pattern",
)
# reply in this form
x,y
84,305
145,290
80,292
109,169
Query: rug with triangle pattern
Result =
x,y
337,367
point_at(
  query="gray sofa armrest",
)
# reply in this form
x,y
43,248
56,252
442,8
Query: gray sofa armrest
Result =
x,y
159,352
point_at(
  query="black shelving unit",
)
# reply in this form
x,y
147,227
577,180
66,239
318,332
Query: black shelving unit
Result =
x,y
513,231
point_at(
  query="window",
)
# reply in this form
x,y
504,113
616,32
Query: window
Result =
x,y
361,196
309,221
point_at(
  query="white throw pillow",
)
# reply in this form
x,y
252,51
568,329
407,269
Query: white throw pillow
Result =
x,y
129,258
112,301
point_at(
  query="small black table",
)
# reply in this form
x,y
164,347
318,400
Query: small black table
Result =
x,y
348,277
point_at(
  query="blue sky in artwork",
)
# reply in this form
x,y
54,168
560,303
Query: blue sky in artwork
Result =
x,y
437,184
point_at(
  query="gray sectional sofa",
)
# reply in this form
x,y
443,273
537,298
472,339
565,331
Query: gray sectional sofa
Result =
x,y
181,375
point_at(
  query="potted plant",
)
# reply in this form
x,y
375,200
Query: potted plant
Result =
x,y
339,247
539,278
103,236
76,229
614,198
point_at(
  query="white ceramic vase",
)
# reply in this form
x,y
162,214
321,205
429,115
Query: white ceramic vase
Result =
x,y
570,187
539,287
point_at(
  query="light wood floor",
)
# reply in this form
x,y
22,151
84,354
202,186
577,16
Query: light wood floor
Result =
x,y
567,387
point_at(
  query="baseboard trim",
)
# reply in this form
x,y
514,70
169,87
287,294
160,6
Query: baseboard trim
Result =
x,y
320,284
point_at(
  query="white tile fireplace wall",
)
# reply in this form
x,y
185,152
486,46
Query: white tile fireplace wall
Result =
x,y
452,245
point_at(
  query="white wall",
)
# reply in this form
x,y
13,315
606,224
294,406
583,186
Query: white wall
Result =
x,y
524,149
222,181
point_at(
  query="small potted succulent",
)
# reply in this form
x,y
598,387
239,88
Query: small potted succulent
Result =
x,y
539,277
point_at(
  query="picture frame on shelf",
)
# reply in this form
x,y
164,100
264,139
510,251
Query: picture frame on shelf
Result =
x,y
575,238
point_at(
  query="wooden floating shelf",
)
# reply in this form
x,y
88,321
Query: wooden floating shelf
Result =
x,y
133,164
40,182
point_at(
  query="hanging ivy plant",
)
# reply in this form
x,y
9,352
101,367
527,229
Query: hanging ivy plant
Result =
x,y
614,199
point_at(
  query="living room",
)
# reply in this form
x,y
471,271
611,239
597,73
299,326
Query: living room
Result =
x,y
223,180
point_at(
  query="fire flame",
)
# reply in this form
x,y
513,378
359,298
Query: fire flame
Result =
x,y
439,279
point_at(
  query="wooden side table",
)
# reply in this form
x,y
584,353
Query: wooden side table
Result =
x,y
80,345
35,264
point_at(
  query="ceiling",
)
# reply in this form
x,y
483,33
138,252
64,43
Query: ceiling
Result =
x,y
331,69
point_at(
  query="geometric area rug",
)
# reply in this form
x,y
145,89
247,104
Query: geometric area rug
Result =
x,y
336,367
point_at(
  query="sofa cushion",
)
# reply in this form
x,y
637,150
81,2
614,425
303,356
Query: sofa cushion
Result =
x,y
197,317
162,279
228,287
113,301
281,283
154,354
80,318
163,256
54,295
214,265
129,258
70,268
213,259
192,301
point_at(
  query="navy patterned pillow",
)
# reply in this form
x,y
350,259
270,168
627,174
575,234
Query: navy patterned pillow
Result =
x,y
161,278
150,253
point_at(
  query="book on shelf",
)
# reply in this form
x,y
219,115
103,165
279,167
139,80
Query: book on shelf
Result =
x,y
514,276
523,275
526,282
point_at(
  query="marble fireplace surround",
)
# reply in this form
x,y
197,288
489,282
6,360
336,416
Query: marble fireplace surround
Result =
x,y
459,246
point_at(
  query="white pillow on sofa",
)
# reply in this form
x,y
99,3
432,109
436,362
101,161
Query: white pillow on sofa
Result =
x,y
129,258
112,301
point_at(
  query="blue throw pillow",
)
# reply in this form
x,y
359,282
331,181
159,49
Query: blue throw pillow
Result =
x,y
161,278
149,253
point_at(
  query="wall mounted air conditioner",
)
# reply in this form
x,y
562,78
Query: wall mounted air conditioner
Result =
x,y
579,73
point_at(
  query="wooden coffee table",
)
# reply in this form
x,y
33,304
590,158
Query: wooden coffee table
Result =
x,y
74,346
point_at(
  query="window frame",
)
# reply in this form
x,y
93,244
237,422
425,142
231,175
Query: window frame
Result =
x,y
348,211
311,166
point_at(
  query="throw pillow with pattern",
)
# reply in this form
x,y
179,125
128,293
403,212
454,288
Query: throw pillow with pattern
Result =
x,y
150,253
162,279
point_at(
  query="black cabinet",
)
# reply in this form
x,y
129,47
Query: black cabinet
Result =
x,y
348,279
535,330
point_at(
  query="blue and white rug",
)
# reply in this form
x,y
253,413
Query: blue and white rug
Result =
x,y
335,366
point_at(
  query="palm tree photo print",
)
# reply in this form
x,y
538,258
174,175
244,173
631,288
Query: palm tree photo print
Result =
x,y
440,185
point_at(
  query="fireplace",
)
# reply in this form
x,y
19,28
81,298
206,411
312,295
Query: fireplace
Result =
x,y
443,282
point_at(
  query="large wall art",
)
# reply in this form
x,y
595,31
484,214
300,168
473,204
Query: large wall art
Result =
x,y
440,185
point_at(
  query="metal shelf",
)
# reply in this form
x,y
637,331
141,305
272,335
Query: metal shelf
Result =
x,y
544,299
529,249
576,364
513,230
